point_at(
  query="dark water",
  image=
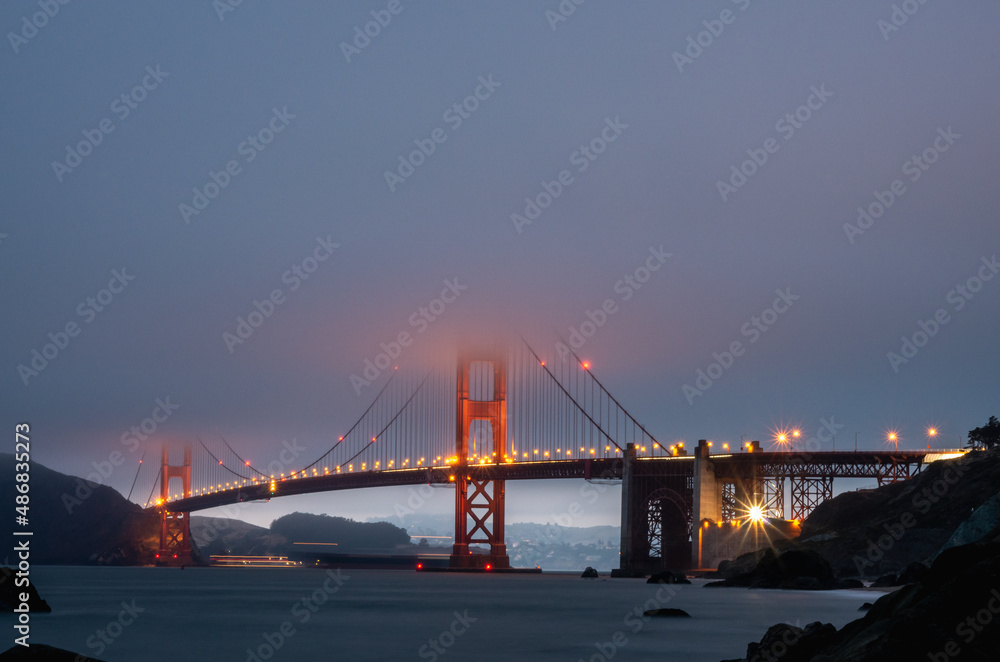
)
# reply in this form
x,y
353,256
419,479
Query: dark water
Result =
x,y
225,613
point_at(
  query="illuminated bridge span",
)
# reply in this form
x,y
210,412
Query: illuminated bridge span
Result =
x,y
507,414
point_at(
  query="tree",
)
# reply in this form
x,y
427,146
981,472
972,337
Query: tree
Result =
x,y
986,436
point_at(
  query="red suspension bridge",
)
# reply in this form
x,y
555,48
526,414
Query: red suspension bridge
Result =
x,y
505,414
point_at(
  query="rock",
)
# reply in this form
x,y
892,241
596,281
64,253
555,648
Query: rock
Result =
x,y
850,583
957,559
925,620
886,580
672,613
590,573
789,643
865,607
10,594
667,577
793,569
983,523
914,573
42,653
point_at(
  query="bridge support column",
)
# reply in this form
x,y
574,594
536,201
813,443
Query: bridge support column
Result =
x,y
628,525
175,527
656,517
479,503
707,497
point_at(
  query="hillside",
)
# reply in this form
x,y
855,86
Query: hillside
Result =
x,y
218,535
873,532
75,522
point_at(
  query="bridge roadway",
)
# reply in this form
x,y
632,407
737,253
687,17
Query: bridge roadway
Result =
x,y
782,464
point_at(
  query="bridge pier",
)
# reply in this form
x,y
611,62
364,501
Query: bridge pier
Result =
x,y
656,516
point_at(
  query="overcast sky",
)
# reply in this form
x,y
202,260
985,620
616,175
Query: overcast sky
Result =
x,y
739,137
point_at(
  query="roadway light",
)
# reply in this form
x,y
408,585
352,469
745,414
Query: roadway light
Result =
x,y
893,438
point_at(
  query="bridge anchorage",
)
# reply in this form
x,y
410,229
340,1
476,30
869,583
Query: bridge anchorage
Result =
x,y
503,414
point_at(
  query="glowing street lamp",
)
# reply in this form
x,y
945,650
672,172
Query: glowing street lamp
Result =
x,y
893,438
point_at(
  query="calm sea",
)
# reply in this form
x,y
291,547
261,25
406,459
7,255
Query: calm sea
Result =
x,y
241,614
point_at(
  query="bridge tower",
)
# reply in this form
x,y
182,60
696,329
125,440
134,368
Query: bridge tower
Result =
x,y
175,527
479,503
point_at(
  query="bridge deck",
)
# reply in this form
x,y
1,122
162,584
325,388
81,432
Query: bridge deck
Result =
x,y
838,464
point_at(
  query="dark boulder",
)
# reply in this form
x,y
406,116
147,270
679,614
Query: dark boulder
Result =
x,y
667,577
886,580
794,569
590,573
10,593
670,613
933,619
913,573
789,643
42,653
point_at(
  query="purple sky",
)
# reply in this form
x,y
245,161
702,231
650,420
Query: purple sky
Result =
x,y
833,102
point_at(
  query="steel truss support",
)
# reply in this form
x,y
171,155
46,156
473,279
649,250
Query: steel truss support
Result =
x,y
729,505
772,497
895,472
807,493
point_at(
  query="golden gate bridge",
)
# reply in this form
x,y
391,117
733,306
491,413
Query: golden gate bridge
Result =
x,y
503,413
